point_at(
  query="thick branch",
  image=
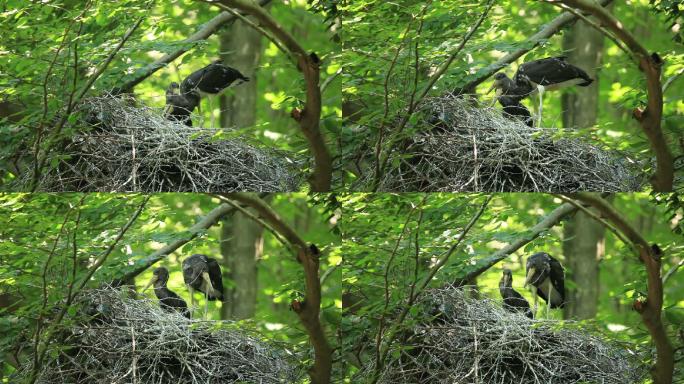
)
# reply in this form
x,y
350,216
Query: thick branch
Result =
x,y
207,29
651,309
650,65
545,224
309,118
308,310
550,29
209,220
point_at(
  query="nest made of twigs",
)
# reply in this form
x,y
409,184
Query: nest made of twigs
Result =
x,y
477,341
133,148
124,340
466,147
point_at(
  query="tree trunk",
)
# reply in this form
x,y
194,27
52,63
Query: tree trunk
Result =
x,y
240,48
583,244
241,237
241,247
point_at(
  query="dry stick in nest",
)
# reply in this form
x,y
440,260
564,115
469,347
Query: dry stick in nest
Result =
x,y
478,341
472,148
168,156
118,338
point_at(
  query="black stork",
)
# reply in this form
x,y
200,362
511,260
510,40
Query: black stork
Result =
x,y
514,109
549,73
180,106
545,275
212,80
168,300
512,300
202,273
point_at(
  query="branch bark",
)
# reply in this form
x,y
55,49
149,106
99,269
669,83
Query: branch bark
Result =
x,y
308,309
207,29
651,308
550,29
209,220
649,118
546,223
308,118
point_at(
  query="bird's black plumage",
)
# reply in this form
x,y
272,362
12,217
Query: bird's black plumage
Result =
x,y
551,72
203,274
211,79
168,299
512,300
512,107
541,269
180,106
515,90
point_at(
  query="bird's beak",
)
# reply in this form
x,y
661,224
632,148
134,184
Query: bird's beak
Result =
x,y
493,87
528,278
152,281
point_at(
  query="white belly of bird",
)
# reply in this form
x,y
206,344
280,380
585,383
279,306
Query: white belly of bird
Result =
x,y
555,296
207,287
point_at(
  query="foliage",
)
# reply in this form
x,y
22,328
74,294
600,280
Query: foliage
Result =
x,y
51,51
388,63
49,241
390,242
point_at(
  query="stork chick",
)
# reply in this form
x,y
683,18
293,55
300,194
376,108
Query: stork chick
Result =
x,y
512,300
546,277
202,273
168,300
212,80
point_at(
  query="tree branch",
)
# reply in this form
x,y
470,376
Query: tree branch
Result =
x,y
650,309
548,30
309,118
209,220
546,223
650,65
207,29
308,309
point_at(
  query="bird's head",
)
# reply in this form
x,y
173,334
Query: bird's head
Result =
x,y
160,274
506,278
537,266
500,80
172,89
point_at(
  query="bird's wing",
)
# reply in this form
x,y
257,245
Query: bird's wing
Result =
x,y
558,281
215,276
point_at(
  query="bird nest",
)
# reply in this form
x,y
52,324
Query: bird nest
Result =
x,y
468,147
123,340
477,341
134,148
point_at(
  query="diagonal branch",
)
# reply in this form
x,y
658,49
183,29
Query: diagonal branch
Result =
x,y
542,226
548,30
207,29
200,227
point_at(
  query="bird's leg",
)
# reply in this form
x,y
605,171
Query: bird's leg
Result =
x,y
206,305
548,302
199,111
192,300
540,89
